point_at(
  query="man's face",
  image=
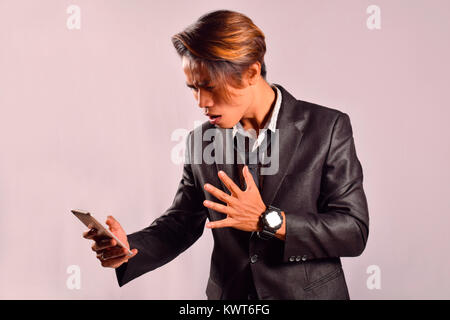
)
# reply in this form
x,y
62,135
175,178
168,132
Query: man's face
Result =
x,y
222,114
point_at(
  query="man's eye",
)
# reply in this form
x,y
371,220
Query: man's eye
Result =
x,y
206,88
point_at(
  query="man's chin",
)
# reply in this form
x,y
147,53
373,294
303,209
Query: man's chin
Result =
x,y
225,125
221,126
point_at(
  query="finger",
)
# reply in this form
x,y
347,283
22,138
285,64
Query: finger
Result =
x,y
93,235
217,207
220,223
219,194
134,253
249,181
101,238
113,224
229,183
110,253
103,244
115,262
90,234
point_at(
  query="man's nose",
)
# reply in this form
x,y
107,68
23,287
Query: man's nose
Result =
x,y
204,99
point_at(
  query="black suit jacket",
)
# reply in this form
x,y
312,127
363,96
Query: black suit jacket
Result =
x,y
319,186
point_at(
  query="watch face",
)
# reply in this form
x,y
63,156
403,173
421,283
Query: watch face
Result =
x,y
273,219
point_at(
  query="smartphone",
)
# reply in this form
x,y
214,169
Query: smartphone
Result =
x,y
86,218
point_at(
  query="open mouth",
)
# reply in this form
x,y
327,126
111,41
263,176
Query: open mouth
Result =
x,y
214,118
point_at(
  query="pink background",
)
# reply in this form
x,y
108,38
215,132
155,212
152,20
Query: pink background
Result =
x,y
86,118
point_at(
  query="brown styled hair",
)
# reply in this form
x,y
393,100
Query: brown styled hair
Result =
x,y
222,45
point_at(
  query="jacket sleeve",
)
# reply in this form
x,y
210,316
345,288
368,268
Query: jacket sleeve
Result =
x,y
170,234
340,228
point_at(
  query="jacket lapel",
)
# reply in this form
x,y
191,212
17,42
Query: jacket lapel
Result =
x,y
223,141
290,126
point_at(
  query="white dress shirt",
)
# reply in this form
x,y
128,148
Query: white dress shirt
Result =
x,y
255,141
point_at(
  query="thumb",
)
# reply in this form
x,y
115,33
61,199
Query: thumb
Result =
x,y
135,252
249,181
113,223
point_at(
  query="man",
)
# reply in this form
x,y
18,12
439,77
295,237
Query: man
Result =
x,y
279,226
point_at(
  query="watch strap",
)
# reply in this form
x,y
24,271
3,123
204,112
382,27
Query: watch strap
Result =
x,y
267,233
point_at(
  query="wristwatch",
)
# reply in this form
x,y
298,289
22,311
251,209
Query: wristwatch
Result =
x,y
270,221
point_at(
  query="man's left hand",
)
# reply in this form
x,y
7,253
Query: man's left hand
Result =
x,y
243,208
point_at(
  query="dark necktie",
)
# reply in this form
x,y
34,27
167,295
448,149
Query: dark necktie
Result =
x,y
251,158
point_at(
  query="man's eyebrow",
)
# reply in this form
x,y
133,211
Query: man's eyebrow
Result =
x,y
203,84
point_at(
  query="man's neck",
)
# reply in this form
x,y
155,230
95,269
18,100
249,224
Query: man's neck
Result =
x,y
261,110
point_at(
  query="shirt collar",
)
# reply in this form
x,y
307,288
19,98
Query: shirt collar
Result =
x,y
271,124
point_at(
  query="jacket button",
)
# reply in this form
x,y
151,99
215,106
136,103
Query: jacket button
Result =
x,y
298,258
304,257
292,259
254,258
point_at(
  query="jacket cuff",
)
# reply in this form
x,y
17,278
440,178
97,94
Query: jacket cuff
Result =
x,y
124,272
294,250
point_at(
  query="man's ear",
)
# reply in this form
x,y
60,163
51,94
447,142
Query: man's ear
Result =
x,y
253,73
